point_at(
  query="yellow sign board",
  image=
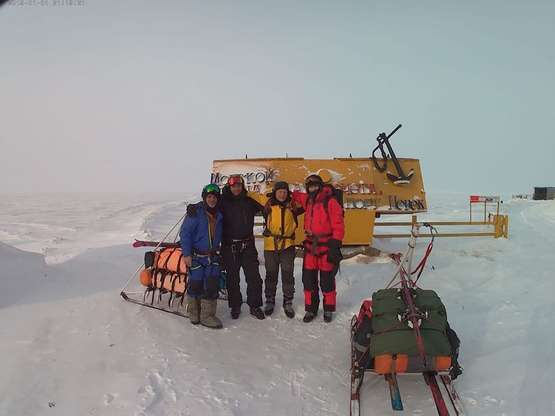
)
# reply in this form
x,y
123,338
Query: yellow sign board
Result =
x,y
367,191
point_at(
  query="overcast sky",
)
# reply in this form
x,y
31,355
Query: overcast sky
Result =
x,y
131,96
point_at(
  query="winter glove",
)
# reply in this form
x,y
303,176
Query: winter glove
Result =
x,y
334,251
191,210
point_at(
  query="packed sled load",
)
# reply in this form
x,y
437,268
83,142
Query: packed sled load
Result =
x,y
403,329
394,347
165,269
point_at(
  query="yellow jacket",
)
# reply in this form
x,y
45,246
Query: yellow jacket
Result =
x,y
281,223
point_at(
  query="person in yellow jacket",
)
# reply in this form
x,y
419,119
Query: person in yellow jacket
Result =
x,y
280,214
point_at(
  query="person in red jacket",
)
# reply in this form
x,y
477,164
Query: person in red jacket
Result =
x,y
324,228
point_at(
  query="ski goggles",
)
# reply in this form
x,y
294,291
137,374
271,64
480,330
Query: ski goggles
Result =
x,y
211,188
234,180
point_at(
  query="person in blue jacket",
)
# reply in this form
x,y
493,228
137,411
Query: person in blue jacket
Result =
x,y
201,236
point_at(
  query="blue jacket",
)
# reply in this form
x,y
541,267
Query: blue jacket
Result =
x,y
194,234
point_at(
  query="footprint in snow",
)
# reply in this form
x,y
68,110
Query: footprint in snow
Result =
x,y
109,398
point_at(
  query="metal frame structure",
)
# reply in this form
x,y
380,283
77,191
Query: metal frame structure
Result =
x,y
499,222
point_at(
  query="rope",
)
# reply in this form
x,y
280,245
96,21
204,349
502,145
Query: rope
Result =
x,y
422,264
397,257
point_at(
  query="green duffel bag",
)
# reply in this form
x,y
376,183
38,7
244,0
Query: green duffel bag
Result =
x,y
394,336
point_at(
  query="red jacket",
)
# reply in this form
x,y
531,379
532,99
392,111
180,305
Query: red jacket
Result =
x,y
318,221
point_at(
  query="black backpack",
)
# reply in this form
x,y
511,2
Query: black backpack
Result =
x,y
337,194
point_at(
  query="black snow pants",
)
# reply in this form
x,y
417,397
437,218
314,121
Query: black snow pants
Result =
x,y
244,255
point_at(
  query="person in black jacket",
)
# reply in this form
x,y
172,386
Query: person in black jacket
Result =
x,y
238,249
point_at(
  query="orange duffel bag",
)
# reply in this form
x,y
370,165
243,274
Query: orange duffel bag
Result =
x,y
403,363
170,259
160,279
165,269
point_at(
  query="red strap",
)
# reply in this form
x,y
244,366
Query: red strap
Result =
x,y
420,268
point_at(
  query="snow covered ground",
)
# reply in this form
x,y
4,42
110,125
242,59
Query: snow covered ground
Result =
x,y
71,346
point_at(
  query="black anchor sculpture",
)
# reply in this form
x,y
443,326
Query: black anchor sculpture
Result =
x,y
400,178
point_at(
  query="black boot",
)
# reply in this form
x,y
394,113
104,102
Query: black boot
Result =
x,y
328,316
257,313
289,311
309,316
235,312
269,308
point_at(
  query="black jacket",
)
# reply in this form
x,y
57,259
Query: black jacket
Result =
x,y
239,212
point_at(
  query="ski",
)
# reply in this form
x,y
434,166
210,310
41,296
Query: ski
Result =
x,y
394,393
355,396
142,243
453,395
436,393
